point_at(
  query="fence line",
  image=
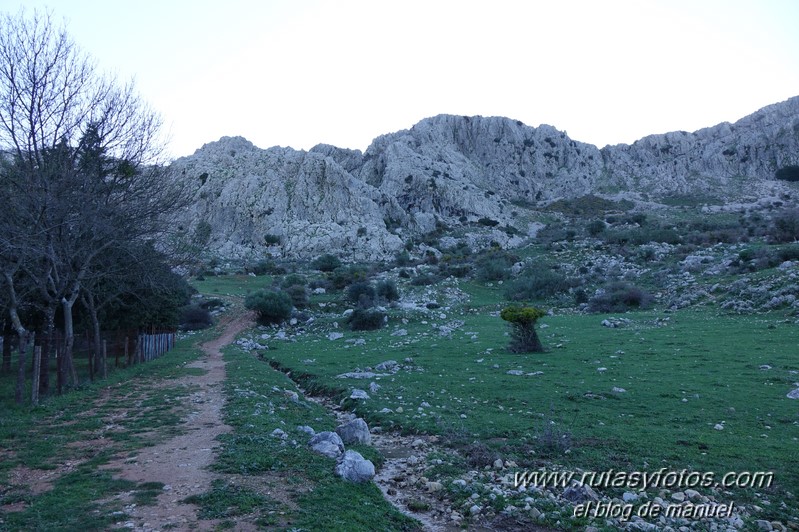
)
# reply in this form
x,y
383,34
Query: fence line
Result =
x,y
152,346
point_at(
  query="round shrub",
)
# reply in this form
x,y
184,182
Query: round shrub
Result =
x,y
387,291
537,282
363,319
326,263
293,280
271,307
619,297
595,227
298,295
788,173
362,294
194,318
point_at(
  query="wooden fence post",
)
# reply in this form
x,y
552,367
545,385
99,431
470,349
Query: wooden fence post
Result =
x,y
37,367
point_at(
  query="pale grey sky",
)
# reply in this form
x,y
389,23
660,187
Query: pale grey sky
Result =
x,y
301,72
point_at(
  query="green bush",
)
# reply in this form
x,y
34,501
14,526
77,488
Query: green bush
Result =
x,y
298,295
619,296
362,294
524,338
537,282
425,279
346,275
293,280
595,227
402,258
270,306
387,291
326,263
194,318
363,319
272,240
788,173
494,266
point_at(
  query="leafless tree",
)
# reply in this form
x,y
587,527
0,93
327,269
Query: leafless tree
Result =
x,y
80,174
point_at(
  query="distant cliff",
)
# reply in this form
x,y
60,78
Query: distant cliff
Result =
x,y
454,171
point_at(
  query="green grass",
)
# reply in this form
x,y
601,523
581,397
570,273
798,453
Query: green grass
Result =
x,y
256,405
84,427
232,285
680,380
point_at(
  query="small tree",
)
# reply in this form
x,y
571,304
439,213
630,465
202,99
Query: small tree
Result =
x,y
522,320
271,307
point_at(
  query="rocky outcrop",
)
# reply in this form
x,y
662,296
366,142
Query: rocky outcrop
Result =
x,y
284,202
719,160
449,171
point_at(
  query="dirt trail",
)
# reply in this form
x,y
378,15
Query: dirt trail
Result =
x,y
181,463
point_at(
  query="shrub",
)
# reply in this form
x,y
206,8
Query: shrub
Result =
x,y
267,267
362,294
293,280
537,282
272,240
346,275
786,226
788,173
595,227
522,320
494,267
194,318
387,291
619,296
326,263
424,279
402,258
363,319
298,295
270,306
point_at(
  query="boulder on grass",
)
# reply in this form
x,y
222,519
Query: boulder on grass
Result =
x,y
355,468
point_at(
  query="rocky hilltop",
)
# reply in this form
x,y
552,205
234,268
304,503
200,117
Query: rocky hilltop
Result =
x,y
459,171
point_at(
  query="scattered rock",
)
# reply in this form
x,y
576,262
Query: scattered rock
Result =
x,y
355,468
793,394
356,431
616,389
327,443
388,365
306,429
359,394
579,493
279,433
335,335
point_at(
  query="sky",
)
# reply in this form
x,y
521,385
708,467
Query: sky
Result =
x,y
302,72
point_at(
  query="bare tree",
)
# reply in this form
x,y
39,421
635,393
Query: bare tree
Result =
x,y
79,176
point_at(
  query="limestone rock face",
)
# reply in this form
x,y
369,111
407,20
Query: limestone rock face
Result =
x,y
284,202
723,158
458,171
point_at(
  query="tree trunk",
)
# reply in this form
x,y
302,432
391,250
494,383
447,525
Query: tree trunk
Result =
x,y
44,375
19,392
37,360
7,331
69,336
100,363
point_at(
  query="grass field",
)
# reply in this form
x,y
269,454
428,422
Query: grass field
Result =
x,y
696,391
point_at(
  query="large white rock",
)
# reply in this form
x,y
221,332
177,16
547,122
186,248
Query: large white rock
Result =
x,y
355,431
355,468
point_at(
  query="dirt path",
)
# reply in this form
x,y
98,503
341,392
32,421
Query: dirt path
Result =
x,y
181,463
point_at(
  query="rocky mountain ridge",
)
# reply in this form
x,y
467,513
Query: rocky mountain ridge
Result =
x,y
459,172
